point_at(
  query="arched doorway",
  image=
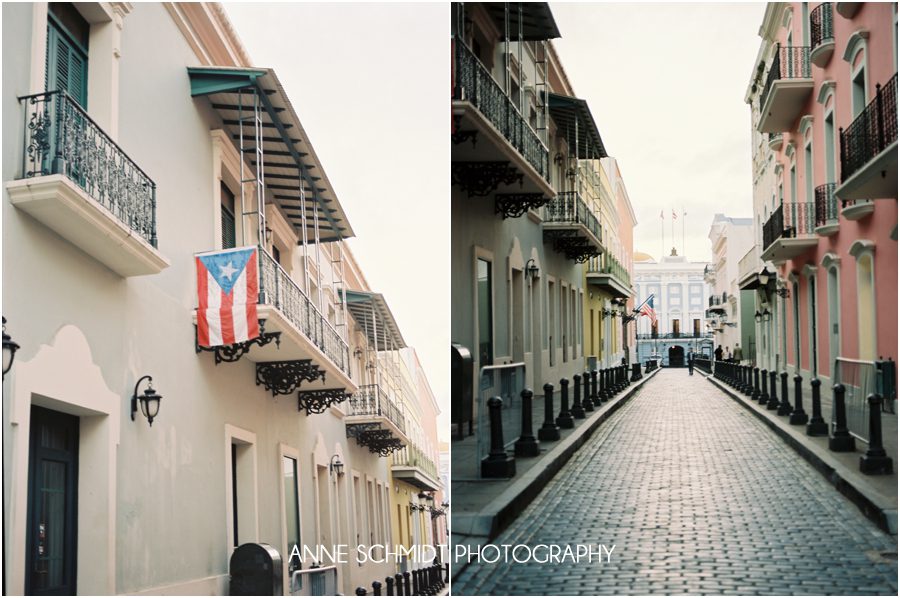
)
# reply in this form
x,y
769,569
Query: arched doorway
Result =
x,y
676,356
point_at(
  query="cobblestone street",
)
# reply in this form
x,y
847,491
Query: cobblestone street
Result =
x,y
698,497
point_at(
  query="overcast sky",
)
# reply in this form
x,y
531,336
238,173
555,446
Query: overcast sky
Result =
x,y
666,84
370,85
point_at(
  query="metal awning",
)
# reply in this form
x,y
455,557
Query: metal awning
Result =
x,y
537,21
289,159
373,315
566,111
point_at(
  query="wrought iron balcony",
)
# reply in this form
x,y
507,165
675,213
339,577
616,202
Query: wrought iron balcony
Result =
x,y
573,227
376,421
789,231
76,180
869,148
718,303
826,210
278,289
609,274
412,465
788,84
821,34
473,83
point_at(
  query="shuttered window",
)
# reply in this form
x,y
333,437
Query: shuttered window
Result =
x,y
228,238
66,64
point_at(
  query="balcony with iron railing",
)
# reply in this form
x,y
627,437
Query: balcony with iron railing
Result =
x,y
607,273
673,335
78,182
787,87
718,303
869,149
826,210
572,226
789,232
474,85
376,420
821,33
412,465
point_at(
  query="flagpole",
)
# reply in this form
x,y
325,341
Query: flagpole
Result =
x,y
662,235
673,229
683,214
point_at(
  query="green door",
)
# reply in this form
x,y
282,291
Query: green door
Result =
x,y
52,503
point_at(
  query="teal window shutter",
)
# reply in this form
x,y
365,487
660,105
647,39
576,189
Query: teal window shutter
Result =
x,y
66,63
227,228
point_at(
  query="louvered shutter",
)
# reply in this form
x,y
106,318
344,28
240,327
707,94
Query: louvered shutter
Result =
x,y
228,240
66,66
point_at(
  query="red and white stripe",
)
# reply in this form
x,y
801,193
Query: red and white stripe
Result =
x,y
226,319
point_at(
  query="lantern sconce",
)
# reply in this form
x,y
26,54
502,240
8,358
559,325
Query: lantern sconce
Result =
x,y
149,400
336,467
9,350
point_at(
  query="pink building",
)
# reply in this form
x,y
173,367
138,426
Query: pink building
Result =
x,y
824,103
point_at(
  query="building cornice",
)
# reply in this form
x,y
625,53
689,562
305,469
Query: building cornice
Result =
x,y
209,33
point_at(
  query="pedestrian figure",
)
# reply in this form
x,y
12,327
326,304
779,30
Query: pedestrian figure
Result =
x,y
691,364
727,353
718,353
738,353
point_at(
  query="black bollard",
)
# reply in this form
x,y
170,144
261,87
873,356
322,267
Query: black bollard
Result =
x,y
773,404
601,386
875,461
564,419
498,464
586,403
389,586
610,390
635,372
816,425
596,399
406,588
784,406
526,445
756,393
416,583
376,588
841,441
360,591
798,416
398,583
549,430
577,409
764,394
749,376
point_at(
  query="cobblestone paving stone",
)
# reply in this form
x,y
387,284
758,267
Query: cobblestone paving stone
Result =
x,y
698,497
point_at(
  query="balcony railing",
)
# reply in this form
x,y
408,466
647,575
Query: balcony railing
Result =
x,y
413,456
371,400
605,263
789,62
671,335
750,263
826,205
790,220
60,138
474,83
568,208
820,29
871,132
277,288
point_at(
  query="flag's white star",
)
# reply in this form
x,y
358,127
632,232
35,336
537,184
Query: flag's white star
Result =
x,y
227,270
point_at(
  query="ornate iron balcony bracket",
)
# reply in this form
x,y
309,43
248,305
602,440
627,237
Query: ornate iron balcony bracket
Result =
x,y
232,353
376,439
513,205
284,377
317,401
479,179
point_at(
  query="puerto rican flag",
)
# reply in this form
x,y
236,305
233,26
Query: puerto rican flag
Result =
x,y
227,292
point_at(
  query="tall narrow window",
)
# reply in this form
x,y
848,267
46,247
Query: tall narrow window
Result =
x,y
66,64
696,327
485,313
858,91
813,333
829,148
808,158
795,296
228,236
676,327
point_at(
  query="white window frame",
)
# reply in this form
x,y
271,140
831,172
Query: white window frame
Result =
x,y
236,435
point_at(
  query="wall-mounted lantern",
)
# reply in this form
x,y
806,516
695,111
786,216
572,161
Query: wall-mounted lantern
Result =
x,y
149,400
9,350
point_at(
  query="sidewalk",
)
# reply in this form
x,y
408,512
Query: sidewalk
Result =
x,y
483,508
875,495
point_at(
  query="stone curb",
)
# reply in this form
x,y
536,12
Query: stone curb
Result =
x,y
873,504
498,514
